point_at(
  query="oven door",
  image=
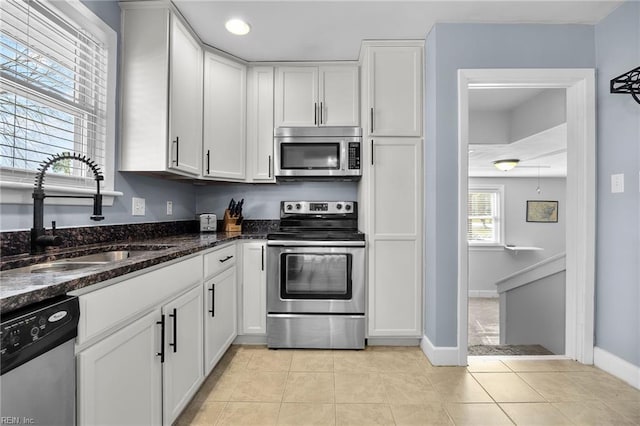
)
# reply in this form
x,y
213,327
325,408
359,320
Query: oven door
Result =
x,y
321,277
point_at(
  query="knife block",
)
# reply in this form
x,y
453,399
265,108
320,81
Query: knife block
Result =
x,y
231,223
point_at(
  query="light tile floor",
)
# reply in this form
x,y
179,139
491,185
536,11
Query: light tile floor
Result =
x,y
398,386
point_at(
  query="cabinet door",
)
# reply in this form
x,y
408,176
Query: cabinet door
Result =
x,y
394,91
395,277
185,100
182,369
219,316
254,288
296,97
224,118
260,125
119,378
339,96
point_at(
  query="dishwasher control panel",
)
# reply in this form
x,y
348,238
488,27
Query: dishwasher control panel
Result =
x,y
26,333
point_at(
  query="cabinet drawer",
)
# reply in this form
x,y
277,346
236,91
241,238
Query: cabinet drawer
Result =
x,y
105,308
219,260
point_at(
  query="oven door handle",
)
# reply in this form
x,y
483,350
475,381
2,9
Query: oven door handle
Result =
x,y
307,243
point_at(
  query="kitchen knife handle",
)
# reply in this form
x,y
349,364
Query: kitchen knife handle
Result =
x,y
321,121
315,113
174,315
208,158
212,311
177,142
371,121
262,257
372,152
269,166
161,353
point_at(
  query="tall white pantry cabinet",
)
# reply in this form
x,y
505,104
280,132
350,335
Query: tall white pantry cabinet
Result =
x,y
391,188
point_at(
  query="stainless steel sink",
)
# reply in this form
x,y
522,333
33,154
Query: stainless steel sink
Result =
x,y
86,261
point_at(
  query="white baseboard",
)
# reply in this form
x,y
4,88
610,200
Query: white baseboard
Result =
x,y
617,366
393,341
439,355
483,293
250,339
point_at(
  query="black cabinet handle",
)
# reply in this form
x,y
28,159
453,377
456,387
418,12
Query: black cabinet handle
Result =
x,y
371,121
315,113
269,166
262,257
177,142
161,353
174,315
372,152
226,258
212,311
208,158
321,120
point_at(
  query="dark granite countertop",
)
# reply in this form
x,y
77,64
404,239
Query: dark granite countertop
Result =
x,y
19,288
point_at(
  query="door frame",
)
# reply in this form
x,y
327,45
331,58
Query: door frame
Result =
x,y
581,195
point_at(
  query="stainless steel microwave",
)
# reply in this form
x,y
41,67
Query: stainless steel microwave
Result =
x,y
318,153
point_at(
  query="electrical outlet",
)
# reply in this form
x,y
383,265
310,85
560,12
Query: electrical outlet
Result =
x,y
137,206
169,208
617,183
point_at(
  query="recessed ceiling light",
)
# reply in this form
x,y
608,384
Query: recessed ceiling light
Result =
x,y
237,27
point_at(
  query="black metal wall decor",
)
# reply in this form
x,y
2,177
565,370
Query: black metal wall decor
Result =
x,y
628,82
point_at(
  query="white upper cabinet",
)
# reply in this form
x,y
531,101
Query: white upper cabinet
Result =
x,y
224,118
394,90
161,93
317,96
260,124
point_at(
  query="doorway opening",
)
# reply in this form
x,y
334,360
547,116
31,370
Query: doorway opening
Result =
x,y
579,211
517,160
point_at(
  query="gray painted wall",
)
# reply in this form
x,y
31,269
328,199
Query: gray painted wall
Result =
x,y
450,47
156,191
534,314
617,320
262,201
488,265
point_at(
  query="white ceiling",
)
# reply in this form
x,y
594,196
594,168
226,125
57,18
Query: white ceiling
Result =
x,y
333,30
544,153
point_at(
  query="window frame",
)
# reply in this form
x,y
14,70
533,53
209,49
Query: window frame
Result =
x,y
500,217
17,184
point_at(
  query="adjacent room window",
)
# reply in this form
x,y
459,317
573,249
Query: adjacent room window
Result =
x,y
57,91
485,225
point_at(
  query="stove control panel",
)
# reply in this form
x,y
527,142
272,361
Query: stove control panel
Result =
x,y
318,207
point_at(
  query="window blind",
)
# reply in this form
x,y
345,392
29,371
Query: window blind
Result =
x,y
483,217
54,89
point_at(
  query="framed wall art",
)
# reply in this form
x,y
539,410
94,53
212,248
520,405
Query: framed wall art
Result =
x,y
542,211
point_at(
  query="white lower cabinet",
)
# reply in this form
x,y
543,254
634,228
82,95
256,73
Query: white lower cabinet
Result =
x,y
140,376
120,377
254,288
220,323
182,368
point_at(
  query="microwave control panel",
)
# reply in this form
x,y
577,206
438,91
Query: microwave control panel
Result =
x,y
354,155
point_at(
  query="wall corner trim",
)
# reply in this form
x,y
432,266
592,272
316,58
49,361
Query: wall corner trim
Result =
x,y
617,366
439,355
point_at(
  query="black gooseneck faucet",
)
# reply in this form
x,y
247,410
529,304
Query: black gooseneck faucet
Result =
x,y
38,238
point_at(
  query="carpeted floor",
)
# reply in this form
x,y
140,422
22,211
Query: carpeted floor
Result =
x,y
508,350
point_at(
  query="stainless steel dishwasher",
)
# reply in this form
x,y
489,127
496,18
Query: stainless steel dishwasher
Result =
x,y
38,381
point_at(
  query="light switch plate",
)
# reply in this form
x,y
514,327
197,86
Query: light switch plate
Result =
x,y
617,183
137,206
169,208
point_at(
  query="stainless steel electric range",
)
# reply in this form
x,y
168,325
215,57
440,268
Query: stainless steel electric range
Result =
x,y
316,277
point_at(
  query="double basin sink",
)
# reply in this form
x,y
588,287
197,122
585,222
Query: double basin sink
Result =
x,y
89,260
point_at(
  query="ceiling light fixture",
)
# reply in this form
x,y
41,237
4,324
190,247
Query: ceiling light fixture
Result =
x,y
237,27
506,165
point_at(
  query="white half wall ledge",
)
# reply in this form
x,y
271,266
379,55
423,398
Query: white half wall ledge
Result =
x,y
439,355
617,366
